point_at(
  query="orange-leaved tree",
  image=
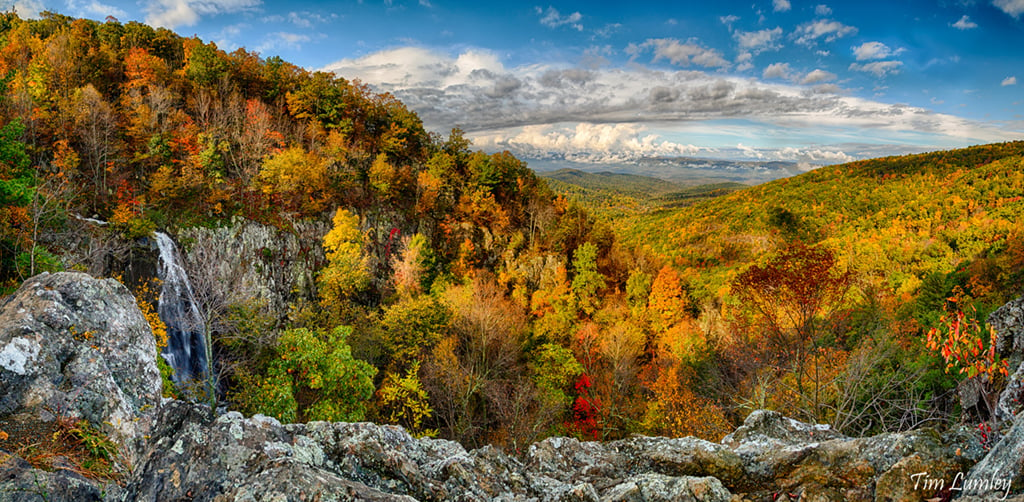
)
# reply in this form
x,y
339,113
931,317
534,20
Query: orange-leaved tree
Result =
x,y
796,295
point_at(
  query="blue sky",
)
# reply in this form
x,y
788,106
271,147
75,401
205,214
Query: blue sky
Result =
x,y
814,82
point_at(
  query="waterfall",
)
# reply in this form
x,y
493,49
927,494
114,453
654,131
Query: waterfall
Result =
x,y
186,349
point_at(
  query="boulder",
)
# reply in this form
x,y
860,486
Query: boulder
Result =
x,y
77,346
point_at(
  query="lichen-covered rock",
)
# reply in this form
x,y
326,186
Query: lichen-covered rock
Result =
x,y
20,482
78,346
235,458
784,456
1002,470
1008,322
194,456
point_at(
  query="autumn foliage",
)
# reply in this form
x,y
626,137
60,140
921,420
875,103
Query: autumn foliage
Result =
x,y
459,296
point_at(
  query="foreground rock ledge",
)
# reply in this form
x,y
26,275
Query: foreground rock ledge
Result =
x,y
192,456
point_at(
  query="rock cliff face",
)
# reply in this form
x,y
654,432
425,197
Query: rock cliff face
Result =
x,y
263,262
48,362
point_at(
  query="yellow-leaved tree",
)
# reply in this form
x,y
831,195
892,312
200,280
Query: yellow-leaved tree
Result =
x,y
297,176
347,270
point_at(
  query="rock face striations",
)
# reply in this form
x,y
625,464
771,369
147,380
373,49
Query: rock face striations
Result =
x,y
48,362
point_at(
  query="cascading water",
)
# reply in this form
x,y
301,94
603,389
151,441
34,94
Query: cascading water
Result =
x,y
186,349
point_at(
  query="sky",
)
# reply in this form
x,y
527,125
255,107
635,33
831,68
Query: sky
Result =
x,y
605,82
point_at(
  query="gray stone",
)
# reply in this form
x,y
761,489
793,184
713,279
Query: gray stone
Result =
x,y
78,346
20,482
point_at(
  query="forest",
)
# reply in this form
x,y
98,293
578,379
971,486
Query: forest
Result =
x,y
505,311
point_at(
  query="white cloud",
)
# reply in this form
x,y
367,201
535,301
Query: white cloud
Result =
x,y
1012,7
553,19
781,5
809,33
785,72
584,142
778,70
27,9
728,20
1009,81
874,50
679,53
818,76
537,107
758,41
283,40
823,10
94,9
608,30
174,13
304,19
964,23
815,155
878,68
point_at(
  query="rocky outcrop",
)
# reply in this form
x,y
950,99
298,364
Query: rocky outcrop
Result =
x,y
256,260
237,458
257,458
77,346
1002,470
1008,322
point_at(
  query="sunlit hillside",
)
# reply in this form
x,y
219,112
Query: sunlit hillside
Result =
x,y
455,292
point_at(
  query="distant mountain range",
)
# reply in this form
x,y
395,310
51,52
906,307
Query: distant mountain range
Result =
x,y
686,171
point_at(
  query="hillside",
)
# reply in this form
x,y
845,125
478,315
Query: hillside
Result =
x,y
628,184
897,219
615,194
349,265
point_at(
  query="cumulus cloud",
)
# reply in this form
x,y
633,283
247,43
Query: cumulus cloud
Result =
x,y
785,72
584,142
174,13
607,30
94,9
537,107
874,50
809,33
283,40
728,20
878,68
1012,7
817,77
823,10
758,41
680,53
1009,81
28,9
815,155
304,19
778,70
781,5
553,19
964,23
